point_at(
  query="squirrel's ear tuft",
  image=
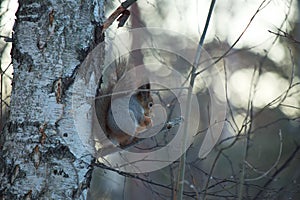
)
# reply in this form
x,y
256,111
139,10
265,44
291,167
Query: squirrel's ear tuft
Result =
x,y
145,87
144,95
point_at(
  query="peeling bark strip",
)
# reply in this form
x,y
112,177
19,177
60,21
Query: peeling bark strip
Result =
x,y
36,156
58,90
121,13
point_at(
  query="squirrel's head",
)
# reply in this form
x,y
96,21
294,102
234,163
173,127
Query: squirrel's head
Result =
x,y
145,98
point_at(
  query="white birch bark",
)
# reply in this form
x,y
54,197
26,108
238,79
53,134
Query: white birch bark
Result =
x,y
42,156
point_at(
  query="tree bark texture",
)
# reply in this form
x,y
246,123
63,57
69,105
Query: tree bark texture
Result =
x,y
42,156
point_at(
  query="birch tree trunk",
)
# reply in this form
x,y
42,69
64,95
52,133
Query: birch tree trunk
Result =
x,y
42,156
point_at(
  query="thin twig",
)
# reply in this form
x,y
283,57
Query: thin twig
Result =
x,y
248,120
284,34
181,175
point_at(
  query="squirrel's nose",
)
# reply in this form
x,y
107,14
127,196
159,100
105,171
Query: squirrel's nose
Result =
x,y
148,121
144,124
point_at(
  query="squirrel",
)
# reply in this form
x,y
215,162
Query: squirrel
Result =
x,y
132,112
138,120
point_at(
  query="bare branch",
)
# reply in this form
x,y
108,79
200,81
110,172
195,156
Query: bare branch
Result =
x,y
284,34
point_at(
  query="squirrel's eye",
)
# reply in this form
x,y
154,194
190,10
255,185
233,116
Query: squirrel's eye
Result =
x,y
150,104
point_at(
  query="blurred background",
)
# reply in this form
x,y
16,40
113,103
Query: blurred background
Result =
x,y
256,47
8,9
